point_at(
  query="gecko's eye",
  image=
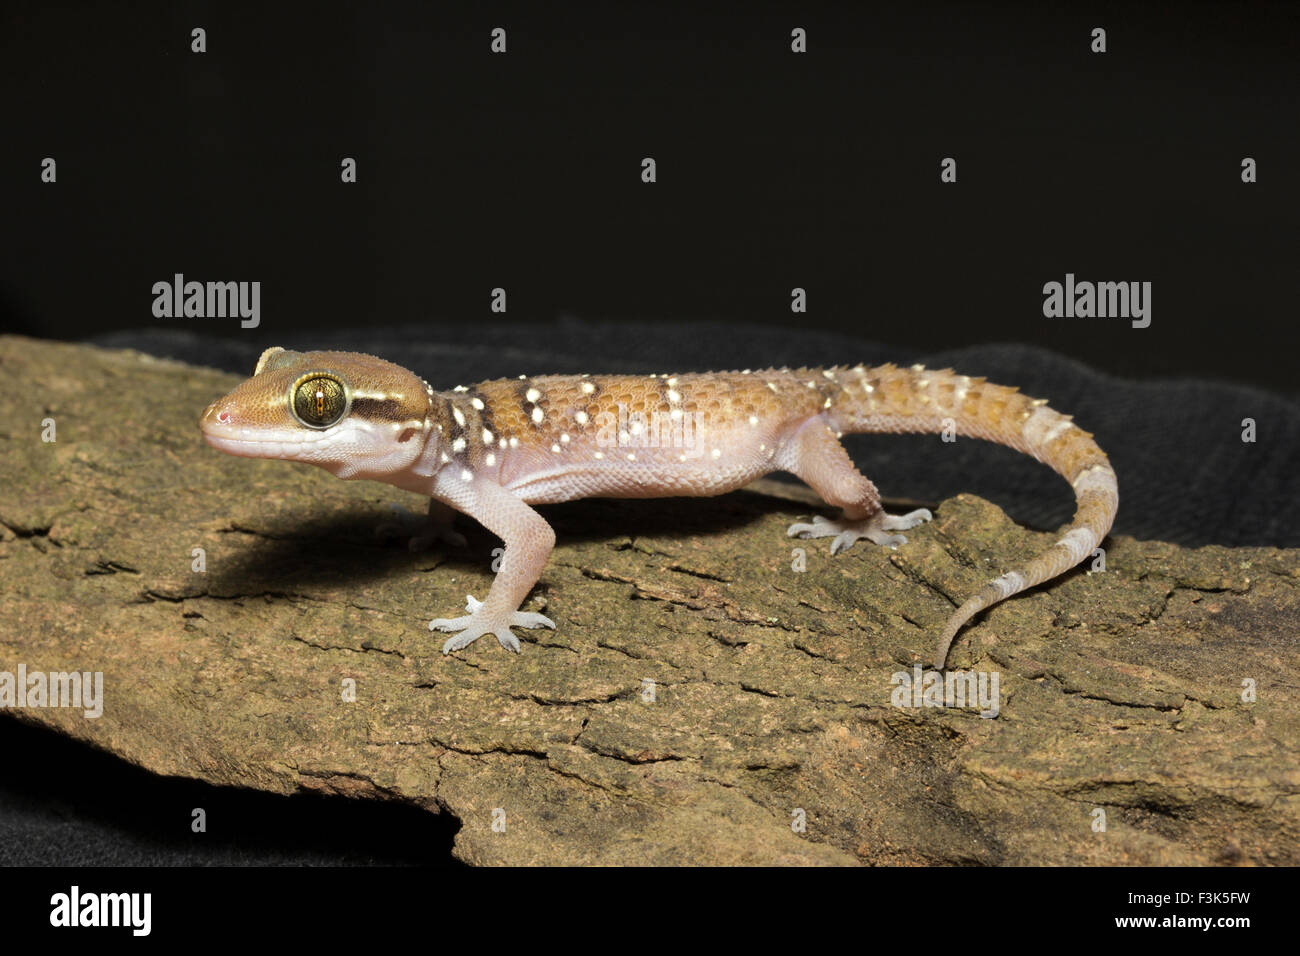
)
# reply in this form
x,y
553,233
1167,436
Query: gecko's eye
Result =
x,y
319,401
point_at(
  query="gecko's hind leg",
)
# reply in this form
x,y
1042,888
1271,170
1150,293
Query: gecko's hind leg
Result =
x,y
819,459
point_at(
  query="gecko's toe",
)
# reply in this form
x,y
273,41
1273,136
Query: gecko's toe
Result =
x,y
909,520
843,542
821,527
530,619
876,536
449,623
462,640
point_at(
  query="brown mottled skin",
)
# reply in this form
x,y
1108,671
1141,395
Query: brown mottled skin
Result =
x,y
494,449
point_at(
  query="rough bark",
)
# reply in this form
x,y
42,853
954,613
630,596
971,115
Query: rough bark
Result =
x,y
1123,691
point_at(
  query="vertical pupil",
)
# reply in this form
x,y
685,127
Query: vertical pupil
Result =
x,y
319,401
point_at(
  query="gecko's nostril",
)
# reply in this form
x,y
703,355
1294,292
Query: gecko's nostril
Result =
x,y
214,414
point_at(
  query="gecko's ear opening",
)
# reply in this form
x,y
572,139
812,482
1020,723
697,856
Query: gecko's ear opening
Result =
x,y
275,357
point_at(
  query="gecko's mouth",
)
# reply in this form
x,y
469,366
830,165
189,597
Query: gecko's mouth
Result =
x,y
246,447
226,435
245,442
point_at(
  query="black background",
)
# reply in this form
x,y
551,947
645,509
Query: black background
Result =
x,y
775,170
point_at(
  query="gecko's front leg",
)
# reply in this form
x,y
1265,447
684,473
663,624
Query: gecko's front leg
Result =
x,y
438,527
528,543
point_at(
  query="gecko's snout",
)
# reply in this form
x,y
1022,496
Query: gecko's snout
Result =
x,y
220,430
215,414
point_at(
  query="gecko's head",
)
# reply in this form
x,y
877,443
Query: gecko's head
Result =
x,y
354,415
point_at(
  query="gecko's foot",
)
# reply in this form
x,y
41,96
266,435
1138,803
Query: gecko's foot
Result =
x,y
443,533
431,532
474,625
875,529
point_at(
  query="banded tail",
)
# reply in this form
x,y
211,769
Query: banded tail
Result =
x,y
891,399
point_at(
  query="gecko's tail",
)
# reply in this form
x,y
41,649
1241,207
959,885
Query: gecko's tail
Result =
x,y
891,399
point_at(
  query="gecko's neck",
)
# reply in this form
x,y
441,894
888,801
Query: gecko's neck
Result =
x,y
421,474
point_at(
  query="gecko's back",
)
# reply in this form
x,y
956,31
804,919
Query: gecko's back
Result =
x,y
555,438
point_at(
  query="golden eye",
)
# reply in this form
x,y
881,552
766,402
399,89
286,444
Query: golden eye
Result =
x,y
319,401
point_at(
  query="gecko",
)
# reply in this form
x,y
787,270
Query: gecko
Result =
x,y
494,450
